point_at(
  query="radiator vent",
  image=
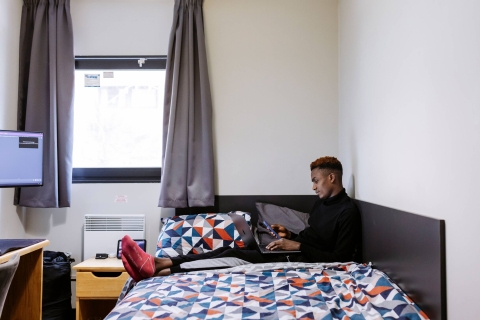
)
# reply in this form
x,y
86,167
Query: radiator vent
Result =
x,y
102,232
114,223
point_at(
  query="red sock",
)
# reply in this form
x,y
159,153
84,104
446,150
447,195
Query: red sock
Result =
x,y
131,272
143,263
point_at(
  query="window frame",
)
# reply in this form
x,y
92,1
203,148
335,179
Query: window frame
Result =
x,y
126,174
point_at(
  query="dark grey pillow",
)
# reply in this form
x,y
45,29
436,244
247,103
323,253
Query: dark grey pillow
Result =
x,y
293,220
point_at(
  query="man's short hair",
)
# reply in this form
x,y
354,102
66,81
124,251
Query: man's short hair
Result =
x,y
330,163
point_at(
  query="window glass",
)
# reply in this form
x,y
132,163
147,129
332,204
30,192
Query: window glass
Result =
x,y
118,119
119,122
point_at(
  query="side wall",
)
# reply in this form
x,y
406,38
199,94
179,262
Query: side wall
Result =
x,y
409,119
10,12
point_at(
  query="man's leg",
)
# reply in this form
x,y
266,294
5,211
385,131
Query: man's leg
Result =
x,y
137,263
251,256
140,265
136,257
167,263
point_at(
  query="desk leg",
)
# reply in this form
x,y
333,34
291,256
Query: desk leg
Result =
x,y
78,314
24,298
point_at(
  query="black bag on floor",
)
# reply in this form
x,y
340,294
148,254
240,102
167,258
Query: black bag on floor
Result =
x,y
57,292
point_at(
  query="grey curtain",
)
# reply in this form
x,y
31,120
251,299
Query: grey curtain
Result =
x,y
45,96
187,166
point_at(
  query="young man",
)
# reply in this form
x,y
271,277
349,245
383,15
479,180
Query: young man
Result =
x,y
334,234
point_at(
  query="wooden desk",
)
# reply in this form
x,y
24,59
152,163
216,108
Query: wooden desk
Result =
x,y
99,284
24,298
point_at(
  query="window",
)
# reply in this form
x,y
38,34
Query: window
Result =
x,y
118,112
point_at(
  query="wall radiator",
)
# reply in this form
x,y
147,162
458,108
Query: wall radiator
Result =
x,y
102,232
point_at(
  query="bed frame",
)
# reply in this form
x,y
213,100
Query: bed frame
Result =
x,y
408,247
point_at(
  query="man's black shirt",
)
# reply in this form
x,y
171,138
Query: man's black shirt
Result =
x,y
334,234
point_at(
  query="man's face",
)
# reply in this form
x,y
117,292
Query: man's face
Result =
x,y
322,183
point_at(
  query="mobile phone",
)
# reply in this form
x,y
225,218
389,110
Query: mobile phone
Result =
x,y
271,230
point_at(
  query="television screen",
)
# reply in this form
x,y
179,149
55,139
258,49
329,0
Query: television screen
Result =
x,y
21,159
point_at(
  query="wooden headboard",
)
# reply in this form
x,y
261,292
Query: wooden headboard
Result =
x,y
409,248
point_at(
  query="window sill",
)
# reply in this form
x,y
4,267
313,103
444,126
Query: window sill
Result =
x,y
116,175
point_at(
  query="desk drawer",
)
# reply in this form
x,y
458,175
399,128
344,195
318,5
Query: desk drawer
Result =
x,y
100,285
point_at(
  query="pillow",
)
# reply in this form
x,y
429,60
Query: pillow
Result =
x,y
197,233
293,220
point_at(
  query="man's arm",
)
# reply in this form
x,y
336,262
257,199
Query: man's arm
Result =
x,y
283,244
348,237
281,230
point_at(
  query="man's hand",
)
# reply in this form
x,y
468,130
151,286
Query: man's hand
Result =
x,y
281,230
283,244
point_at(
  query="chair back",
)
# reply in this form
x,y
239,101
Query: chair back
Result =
x,y
7,271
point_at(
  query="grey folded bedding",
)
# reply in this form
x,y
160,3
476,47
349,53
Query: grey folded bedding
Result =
x,y
7,245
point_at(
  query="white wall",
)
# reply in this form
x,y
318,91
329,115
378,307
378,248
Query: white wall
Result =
x,y
10,13
121,27
64,226
409,123
273,70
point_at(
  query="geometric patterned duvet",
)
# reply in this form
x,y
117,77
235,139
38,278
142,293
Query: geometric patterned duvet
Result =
x,y
270,291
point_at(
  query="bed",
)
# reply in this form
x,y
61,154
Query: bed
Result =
x,y
408,248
